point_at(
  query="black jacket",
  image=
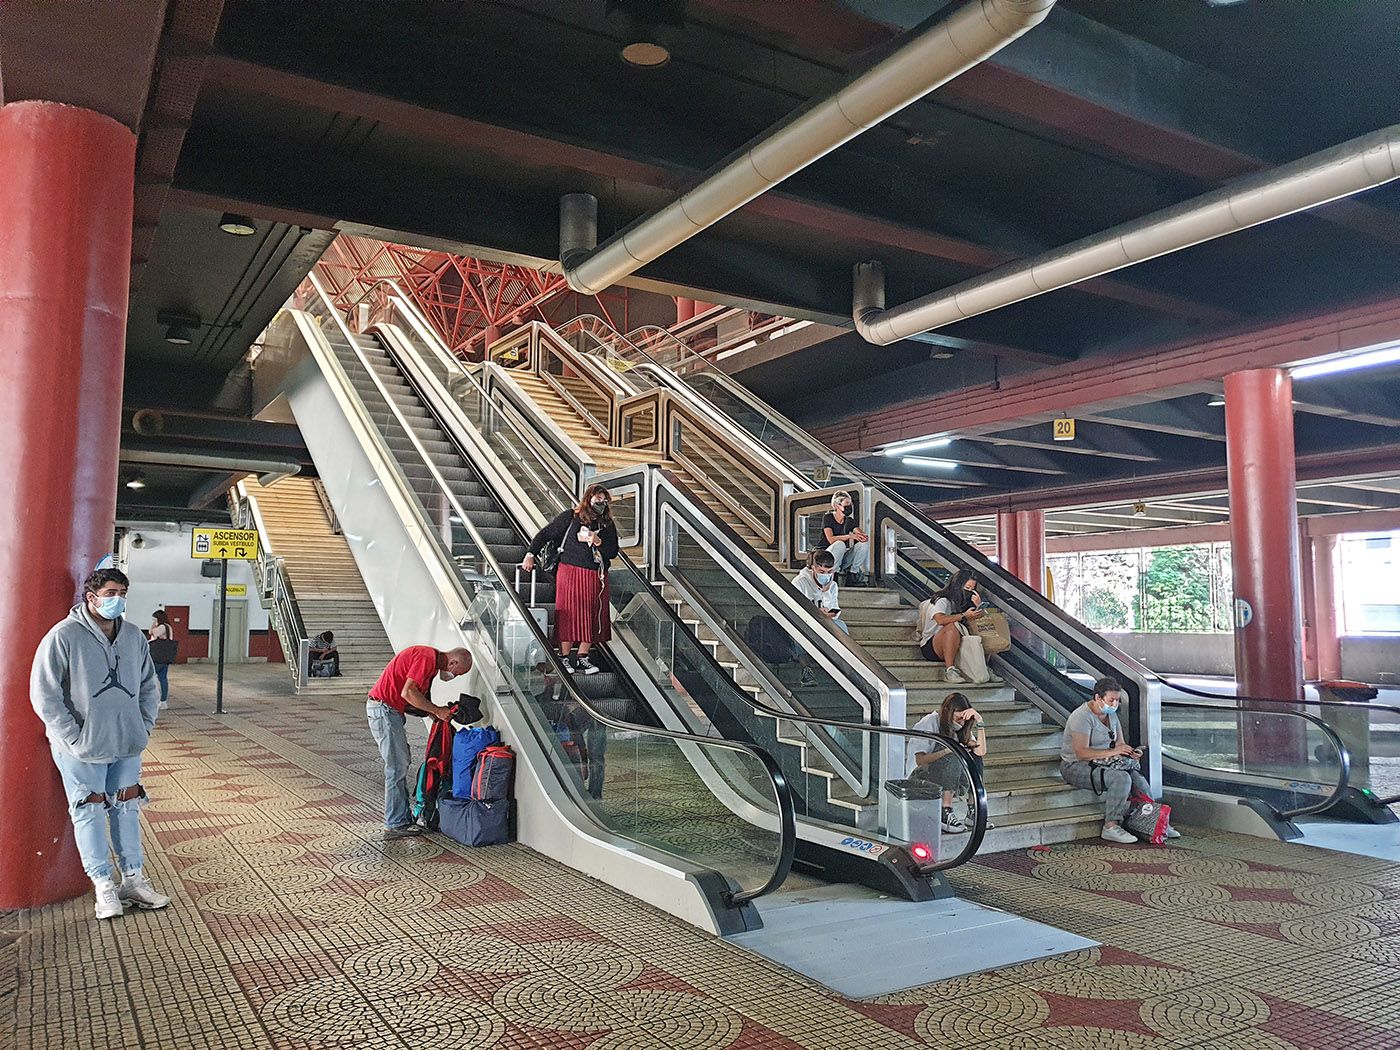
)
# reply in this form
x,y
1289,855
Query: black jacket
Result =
x,y
563,530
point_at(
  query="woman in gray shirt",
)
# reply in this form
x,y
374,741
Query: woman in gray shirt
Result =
x,y
1093,732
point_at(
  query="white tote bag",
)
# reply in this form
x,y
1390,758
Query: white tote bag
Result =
x,y
972,660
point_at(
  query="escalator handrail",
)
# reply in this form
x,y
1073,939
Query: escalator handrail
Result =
x,y
1343,755
882,682
1370,705
786,806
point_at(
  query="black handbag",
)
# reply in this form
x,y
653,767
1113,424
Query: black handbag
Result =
x,y
164,650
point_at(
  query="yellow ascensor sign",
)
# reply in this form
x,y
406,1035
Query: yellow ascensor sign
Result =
x,y
238,544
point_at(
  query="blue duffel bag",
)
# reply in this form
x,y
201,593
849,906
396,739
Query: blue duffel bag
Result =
x,y
474,821
466,745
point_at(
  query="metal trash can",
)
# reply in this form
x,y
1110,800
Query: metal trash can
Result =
x,y
915,811
1352,724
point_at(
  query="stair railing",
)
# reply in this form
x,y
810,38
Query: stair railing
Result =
x,y
275,592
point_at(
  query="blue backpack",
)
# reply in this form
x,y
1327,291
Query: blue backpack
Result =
x,y
465,747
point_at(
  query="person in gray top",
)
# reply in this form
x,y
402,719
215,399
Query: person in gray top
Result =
x,y
94,685
1093,734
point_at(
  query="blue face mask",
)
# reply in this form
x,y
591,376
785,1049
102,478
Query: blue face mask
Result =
x,y
824,578
1110,709
111,607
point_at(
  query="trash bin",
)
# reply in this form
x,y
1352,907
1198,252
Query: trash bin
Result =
x,y
1352,724
915,810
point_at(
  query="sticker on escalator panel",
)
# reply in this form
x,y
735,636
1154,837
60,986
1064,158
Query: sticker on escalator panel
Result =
x,y
870,849
1244,613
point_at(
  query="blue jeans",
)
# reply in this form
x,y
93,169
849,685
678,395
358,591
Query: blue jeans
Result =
x,y
851,556
92,820
163,677
387,725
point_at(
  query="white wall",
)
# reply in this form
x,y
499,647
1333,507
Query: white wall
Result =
x,y
163,573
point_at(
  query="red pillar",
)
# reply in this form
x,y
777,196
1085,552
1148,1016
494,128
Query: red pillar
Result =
x,y
1329,645
492,333
685,310
1030,548
1264,547
1007,552
65,263
1307,577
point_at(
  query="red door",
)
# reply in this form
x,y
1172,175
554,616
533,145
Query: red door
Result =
x,y
180,625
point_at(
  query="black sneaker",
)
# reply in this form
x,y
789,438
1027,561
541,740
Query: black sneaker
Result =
x,y
952,823
583,665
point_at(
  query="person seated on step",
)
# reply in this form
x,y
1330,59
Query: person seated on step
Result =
x,y
958,719
1094,755
587,541
846,540
817,583
325,657
775,647
943,622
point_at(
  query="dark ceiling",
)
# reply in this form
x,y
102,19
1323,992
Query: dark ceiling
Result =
x,y
463,123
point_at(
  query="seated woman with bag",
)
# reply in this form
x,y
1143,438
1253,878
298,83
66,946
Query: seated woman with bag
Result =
x,y
943,630
1095,755
958,719
587,540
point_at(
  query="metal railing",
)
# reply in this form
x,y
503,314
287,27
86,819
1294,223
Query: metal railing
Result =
x,y
275,590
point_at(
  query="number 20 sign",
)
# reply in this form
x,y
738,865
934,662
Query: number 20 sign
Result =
x,y
1063,429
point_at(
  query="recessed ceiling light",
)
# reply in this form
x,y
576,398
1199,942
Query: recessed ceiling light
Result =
x,y
646,54
238,225
179,335
1217,402
137,482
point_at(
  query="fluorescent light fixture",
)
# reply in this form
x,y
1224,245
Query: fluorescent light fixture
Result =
x,y
925,461
1218,401
917,445
1349,362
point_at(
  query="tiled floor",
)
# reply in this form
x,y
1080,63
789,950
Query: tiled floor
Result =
x,y
292,927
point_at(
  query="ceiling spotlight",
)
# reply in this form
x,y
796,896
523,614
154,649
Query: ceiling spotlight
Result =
x,y
1218,401
940,353
645,25
646,54
180,328
238,225
138,481
179,335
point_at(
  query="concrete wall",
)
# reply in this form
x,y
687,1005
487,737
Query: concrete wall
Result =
x,y
1365,658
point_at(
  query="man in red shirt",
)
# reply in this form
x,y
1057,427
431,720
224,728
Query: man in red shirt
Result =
x,y
405,683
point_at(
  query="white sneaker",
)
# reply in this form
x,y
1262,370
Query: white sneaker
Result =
x,y
952,674
109,900
1117,833
1172,833
164,704
137,891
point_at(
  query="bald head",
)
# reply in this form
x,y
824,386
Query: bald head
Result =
x,y
457,661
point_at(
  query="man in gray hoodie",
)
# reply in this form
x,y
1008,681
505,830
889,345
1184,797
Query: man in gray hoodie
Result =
x,y
94,685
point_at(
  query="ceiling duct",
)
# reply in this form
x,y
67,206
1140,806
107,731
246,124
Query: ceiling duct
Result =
x,y
1357,165
935,53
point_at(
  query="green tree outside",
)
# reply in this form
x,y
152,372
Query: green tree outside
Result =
x,y
1176,588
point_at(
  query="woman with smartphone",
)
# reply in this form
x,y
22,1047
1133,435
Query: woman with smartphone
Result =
x,y
587,541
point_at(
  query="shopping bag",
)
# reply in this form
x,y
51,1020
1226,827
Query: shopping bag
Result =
x,y
994,631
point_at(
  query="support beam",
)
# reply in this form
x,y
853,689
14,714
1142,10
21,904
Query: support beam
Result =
x,y
1008,549
1325,618
1030,548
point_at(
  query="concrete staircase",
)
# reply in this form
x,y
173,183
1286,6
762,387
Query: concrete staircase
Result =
x,y
331,595
1027,801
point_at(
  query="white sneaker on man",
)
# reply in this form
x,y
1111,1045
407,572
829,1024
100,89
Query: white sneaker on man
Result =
x,y
1117,833
137,891
109,900
952,674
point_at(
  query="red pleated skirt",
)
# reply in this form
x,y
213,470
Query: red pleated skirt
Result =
x,y
581,605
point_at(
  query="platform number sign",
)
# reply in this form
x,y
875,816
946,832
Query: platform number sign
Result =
x,y
1063,429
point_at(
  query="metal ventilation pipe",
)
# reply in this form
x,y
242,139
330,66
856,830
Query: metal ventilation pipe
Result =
x,y
1360,164
269,470
937,51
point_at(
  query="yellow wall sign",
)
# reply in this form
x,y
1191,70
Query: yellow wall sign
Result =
x,y
237,590
224,543
1064,429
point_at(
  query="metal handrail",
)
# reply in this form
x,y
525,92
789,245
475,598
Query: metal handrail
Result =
x,y
1370,705
270,571
786,805
1343,757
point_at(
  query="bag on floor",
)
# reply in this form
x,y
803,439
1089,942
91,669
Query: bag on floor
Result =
x,y
1148,819
434,775
972,661
493,773
468,744
476,822
994,631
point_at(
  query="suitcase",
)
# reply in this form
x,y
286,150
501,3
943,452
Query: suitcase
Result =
x,y
476,822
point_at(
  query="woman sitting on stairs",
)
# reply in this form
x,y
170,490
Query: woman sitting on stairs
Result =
x,y
943,623
587,541
958,719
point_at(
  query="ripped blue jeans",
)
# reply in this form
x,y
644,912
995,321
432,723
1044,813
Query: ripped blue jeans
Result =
x,y
92,820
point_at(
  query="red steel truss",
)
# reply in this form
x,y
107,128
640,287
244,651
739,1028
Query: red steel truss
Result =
x,y
463,298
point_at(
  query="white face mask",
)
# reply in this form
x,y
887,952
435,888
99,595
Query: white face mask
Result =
x,y
445,675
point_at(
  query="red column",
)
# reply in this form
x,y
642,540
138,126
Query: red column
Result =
x,y
1007,553
1329,645
492,333
65,260
1307,580
685,310
1264,548
1030,548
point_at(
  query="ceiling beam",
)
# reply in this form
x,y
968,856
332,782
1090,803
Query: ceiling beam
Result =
x,y
1177,417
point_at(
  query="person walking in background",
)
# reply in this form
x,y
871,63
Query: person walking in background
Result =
x,y
94,685
817,583
846,540
587,540
406,682
162,655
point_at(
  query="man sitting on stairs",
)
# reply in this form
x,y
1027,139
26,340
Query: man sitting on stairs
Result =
x,y
325,657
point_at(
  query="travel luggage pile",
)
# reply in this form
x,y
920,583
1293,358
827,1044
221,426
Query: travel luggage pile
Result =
x,y
480,810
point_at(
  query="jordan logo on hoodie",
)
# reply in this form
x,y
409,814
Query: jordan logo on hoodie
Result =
x,y
114,680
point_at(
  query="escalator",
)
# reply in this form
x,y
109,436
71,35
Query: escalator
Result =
x,y
1053,660
435,504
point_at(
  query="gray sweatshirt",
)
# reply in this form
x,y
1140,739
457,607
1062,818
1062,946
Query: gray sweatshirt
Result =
x,y
98,699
